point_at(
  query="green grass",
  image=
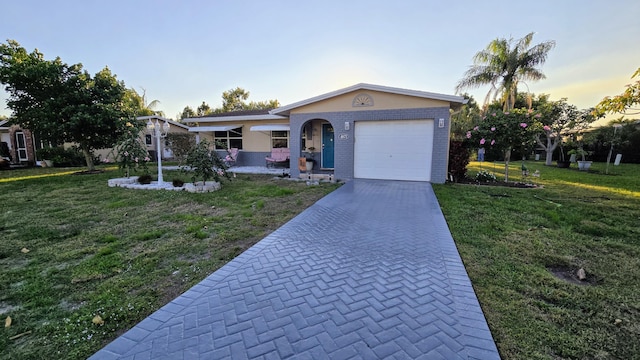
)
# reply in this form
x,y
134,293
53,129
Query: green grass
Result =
x,y
117,253
510,240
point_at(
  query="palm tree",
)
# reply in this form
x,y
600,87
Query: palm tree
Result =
x,y
149,107
503,65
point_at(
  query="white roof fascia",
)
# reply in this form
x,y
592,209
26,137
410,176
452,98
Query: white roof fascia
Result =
x,y
214,128
369,87
271,127
213,119
174,123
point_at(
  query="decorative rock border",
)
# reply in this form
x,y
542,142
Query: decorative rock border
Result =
x,y
132,183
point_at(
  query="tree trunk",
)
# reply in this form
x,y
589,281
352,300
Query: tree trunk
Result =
x,y
549,149
549,158
89,159
507,157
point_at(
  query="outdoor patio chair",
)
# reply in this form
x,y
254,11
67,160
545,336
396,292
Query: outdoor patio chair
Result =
x,y
232,156
279,156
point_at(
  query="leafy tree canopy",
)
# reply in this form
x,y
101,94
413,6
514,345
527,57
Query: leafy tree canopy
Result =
x,y
235,100
468,117
232,100
625,103
203,109
64,103
506,131
187,112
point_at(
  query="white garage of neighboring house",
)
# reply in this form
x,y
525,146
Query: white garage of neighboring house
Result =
x,y
362,131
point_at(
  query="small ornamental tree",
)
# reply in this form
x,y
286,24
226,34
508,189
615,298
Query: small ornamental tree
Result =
x,y
506,131
130,152
205,164
558,118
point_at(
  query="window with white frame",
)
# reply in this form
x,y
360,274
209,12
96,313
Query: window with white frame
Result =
x,y
279,139
228,139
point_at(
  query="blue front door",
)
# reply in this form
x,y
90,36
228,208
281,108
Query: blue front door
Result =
x,y
327,146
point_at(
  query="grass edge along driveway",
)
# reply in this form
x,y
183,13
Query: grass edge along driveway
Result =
x,y
522,248
81,262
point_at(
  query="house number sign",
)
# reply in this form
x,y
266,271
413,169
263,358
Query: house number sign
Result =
x,y
344,136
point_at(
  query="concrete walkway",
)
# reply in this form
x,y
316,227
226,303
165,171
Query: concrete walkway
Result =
x,y
368,272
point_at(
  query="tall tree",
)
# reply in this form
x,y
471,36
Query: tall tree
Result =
x,y
235,100
203,109
187,112
62,102
140,102
625,103
232,100
503,64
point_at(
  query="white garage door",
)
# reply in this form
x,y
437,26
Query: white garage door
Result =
x,y
393,150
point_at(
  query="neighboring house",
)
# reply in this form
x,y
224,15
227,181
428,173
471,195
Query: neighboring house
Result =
x,y
254,132
20,143
150,141
362,131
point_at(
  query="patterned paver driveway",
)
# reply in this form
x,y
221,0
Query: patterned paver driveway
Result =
x,y
370,271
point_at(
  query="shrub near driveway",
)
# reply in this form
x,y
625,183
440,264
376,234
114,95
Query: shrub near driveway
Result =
x,y
519,238
81,262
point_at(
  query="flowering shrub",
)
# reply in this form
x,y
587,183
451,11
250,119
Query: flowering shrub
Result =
x,y
485,176
205,163
130,153
506,131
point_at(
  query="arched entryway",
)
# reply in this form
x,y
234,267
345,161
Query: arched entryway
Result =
x,y
317,145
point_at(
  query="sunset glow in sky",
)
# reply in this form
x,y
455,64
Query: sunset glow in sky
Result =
x,y
186,52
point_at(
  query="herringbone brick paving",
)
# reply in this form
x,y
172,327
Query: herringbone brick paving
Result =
x,y
368,272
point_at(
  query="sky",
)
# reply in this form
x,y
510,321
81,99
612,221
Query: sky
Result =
x,y
185,52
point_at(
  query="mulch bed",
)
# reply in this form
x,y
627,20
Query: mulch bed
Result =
x,y
511,184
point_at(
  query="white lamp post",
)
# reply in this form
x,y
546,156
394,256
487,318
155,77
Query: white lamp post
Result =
x,y
159,132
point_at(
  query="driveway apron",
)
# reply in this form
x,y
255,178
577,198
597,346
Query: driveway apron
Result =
x,y
368,272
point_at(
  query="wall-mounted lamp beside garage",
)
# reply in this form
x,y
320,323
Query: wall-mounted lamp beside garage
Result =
x,y
346,125
440,123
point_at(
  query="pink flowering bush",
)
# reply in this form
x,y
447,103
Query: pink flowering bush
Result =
x,y
505,131
204,163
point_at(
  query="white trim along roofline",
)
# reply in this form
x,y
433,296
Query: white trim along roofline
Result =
x,y
214,128
214,119
271,127
285,110
174,123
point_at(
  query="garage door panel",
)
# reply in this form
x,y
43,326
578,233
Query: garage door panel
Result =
x,y
393,150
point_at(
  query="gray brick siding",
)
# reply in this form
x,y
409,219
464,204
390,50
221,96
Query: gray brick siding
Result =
x,y
344,145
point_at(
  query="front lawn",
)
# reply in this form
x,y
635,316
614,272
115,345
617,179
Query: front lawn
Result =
x,y
522,249
80,262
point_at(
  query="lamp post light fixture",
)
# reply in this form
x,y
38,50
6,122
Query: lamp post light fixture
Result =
x,y
159,132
